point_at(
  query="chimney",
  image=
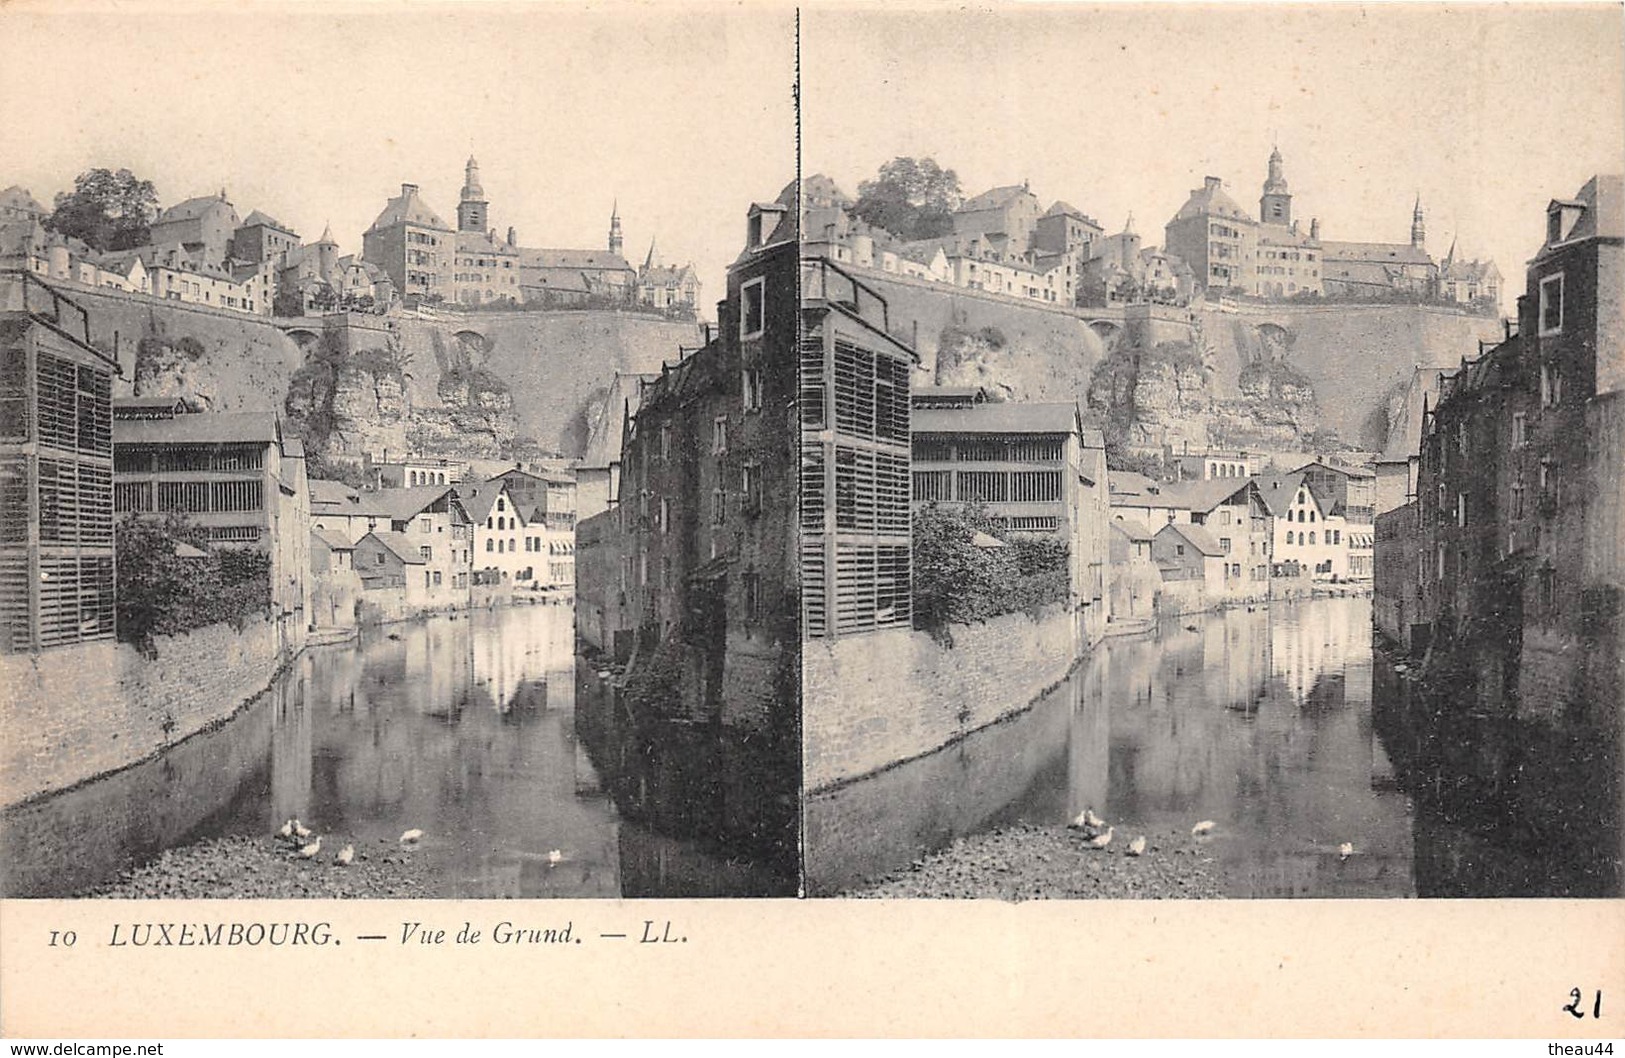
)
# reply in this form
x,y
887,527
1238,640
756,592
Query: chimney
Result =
x,y
1211,183
408,189
513,237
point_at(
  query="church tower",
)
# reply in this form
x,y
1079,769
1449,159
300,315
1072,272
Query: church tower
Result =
x,y
1419,230
615,243
471,208
1275,205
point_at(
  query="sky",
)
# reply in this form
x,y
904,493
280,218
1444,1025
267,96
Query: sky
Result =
x,y
318,115
1487,112
684,114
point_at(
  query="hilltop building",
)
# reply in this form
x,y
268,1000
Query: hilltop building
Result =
x,y
1270,256
425,258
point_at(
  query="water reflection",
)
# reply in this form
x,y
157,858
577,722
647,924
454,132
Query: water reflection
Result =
x,y
1258,720
464,728
1504,807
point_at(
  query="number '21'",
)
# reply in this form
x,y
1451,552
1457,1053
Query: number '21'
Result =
x,y
1573,1006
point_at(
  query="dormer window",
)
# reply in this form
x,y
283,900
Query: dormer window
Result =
x,y
753,230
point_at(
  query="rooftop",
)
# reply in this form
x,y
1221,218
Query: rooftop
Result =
x,y
244,427
1008,417
398,544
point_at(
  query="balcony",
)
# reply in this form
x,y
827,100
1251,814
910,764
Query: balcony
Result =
x,y
822,280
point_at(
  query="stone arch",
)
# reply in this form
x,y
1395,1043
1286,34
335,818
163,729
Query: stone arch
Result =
x,y
1106,329
474,341
302,336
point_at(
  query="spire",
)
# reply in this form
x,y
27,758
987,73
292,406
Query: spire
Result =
x,y
1128,225
653,260
615,241
1419,230
471,209
327,236
472,191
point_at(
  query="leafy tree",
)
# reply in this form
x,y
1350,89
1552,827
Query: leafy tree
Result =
x,y
108,210
1091,292
913,198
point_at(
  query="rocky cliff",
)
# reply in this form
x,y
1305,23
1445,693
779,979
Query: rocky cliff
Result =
x,y
475,385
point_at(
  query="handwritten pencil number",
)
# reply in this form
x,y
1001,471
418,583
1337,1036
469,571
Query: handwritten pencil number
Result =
x,y
1576,998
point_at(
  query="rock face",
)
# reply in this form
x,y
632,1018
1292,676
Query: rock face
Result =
x,y
347,404
1011,369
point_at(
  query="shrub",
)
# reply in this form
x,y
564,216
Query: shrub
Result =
x,y
957,582
162,593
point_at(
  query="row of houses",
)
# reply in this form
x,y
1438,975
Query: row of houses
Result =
x,y
1499,562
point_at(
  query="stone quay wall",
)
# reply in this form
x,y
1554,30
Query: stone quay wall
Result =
x,y
70,714
872,701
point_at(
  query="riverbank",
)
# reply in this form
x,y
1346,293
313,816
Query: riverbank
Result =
x,y
235,868
1026,862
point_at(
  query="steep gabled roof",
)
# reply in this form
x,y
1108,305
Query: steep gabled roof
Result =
x,y
1132,528
1204,495
995,198
479,499
265,220
398,544
1279,490
333,539
193,208
333,493
1197,535
408,208
403,504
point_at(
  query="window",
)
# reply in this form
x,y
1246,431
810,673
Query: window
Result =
x,y
1520,429
719,506
1179,549
1551,305
664,525
1311,539
751,314
665,440
1337,536
753,596
437,578
1517,498
719,435
750,487
490,545
752,387
1461,510
1291,538
427,553
1551,385
1224,544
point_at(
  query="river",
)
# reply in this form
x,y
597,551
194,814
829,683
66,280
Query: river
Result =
x,y
1279,724
466,728
1264,721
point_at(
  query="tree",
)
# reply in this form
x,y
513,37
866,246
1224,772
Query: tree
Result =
x,y
913,198
108,210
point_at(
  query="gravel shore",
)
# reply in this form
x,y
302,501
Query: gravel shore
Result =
x,y
239,867
1026,862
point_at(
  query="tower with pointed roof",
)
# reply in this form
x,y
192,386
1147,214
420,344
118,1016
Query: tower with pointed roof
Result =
x,y
1275,204
615,242
1419,229
472,208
